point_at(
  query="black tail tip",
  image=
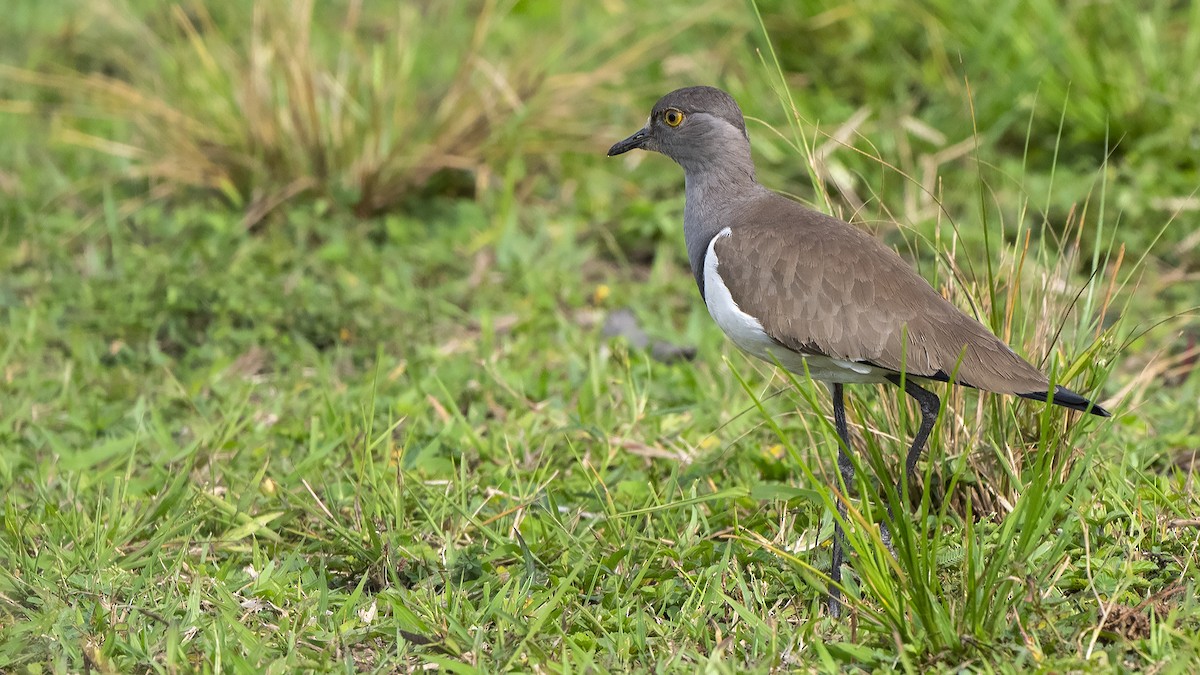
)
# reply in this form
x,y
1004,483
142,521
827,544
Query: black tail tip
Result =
x,y
1069,399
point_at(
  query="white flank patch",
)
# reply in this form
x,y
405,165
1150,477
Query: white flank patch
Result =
x,y
748,334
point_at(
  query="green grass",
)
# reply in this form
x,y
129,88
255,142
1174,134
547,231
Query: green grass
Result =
x,y
311,440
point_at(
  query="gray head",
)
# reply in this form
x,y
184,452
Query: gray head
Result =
x,y
698,127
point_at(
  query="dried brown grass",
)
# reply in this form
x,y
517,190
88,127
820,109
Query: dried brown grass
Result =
x,y
367,114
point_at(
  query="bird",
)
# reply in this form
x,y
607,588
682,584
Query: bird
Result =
x,y
814,294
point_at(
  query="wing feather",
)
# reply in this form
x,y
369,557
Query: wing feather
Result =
x,y
822,286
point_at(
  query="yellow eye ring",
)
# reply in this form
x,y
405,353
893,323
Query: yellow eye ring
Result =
x,y
673,117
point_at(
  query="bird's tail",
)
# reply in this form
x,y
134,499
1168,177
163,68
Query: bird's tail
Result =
x,y
1068,399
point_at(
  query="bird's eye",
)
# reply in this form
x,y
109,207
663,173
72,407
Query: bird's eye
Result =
x,y
673,117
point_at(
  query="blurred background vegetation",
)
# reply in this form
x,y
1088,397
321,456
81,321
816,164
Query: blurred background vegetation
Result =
x,y
239,238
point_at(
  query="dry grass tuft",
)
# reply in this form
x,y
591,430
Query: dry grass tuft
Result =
x,y
255,109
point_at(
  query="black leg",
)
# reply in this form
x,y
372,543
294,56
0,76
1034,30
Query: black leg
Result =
x,y
839,422
929,404
846,468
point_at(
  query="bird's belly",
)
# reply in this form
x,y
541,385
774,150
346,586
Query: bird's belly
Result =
x,y
821,368
748,334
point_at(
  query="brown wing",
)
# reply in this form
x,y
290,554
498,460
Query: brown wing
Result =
x,y
819,285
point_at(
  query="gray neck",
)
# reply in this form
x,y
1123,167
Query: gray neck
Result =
x,y
715,193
